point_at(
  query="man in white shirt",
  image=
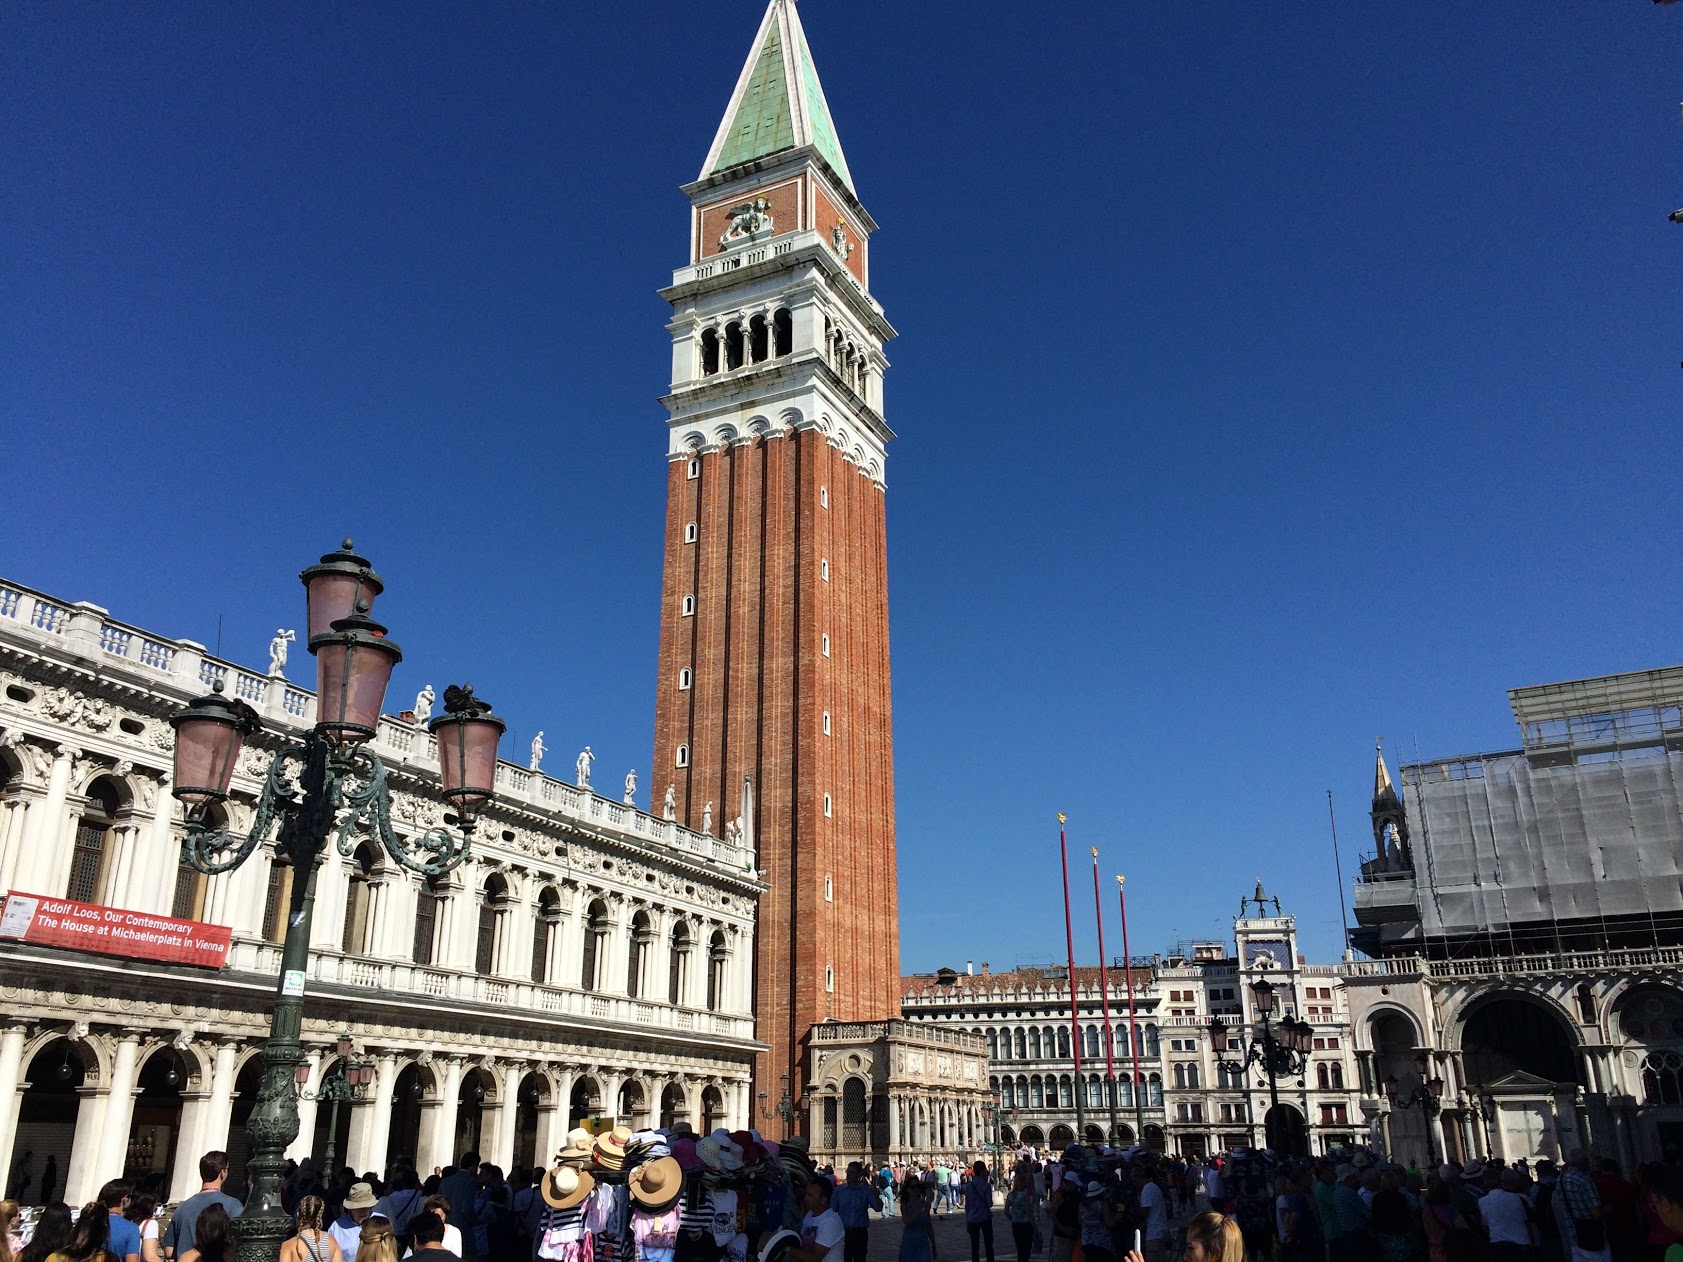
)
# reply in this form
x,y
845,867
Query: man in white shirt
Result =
x,y
822,1235
1155,1234
1507,1219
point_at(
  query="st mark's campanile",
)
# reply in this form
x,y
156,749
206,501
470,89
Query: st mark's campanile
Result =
x,y
773,697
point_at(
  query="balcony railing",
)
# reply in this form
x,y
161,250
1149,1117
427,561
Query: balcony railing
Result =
x,y
393,977
185,668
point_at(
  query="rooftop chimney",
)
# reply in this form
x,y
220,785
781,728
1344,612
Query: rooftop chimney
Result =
x,y
984,968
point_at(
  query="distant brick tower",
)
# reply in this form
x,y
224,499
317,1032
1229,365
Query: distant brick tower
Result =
x,y
774,604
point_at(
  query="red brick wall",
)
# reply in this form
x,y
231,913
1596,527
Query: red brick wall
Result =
x,y
756,708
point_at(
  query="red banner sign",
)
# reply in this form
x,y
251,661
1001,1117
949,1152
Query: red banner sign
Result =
x,y
138,935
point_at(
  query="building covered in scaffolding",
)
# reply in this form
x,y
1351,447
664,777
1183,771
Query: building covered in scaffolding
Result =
x,y
1522,915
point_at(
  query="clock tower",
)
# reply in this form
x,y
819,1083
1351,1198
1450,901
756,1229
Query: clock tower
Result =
x,y
772,711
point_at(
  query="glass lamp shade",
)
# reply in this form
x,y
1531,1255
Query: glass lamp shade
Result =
x,y
1435,1086
209,735
467,758
1263,991
343,1046
1391,1085
1218,1033
333,588
301,1073
354,664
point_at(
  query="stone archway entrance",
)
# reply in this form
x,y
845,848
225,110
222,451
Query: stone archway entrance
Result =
x,y
155,1127
1062,1137
1288,1134
47,1115
403,1139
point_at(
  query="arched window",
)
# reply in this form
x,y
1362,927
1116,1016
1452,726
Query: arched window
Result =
x,y
493,902
1090,1041
1037,1093
855,1136
595,931
1063,1043
717,958
1321,1079
1192,1077
188,901
685,677
1337,1077
1048,1042
709,352
359,902
1125,1091
993,1044
1180,1076
1021,1042
543,932
759,340
429,912
277,901
783,329
683,757
688,607
691,531
678,966
1008,1093
642,934
1066,1092
1004,1044
1156,1084
1034,1044
1662,1078
93,840
1095,1092
733,345
1151,1044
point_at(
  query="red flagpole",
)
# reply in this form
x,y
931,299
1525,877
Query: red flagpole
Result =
x,y
1128,972
1104,994
1074,1009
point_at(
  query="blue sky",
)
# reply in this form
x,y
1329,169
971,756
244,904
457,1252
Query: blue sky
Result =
x,y
1270,378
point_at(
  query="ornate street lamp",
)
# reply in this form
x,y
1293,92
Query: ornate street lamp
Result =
x,y
339,790
1282,1050
348,1081
1426,1095
785,1106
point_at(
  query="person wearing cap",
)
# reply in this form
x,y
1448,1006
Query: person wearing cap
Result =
x,y
347,1228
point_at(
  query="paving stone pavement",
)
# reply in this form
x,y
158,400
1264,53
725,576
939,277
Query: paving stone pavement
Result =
x,y
952,1241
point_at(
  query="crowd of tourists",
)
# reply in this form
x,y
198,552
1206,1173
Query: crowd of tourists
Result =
x,y
671,1196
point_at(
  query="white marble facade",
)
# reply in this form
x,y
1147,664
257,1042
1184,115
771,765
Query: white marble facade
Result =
x,y
469,996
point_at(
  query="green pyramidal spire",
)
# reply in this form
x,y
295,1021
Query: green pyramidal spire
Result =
x,y
778,103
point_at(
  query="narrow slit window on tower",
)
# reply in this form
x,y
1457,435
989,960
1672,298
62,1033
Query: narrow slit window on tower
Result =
x,y
826,644
684,679
826,722
828,806
693,469
709,352
824,569
823,497
689,532
829,889
783,332
683,758
829,978
689,606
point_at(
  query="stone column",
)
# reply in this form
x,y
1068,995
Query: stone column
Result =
x,y
81,1178
436,1146
119,1111
501,1146
564,1080
300,1147
380,1114
42,848
11,1098
155,882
